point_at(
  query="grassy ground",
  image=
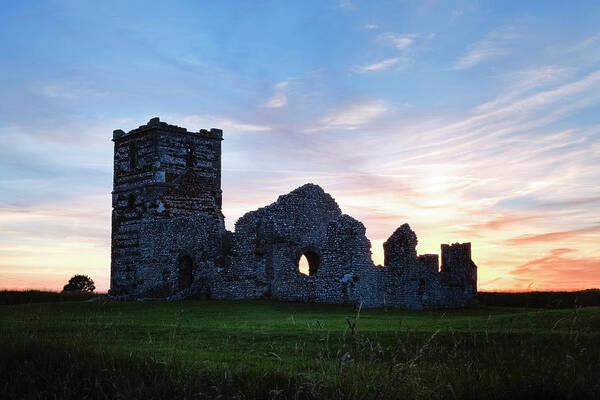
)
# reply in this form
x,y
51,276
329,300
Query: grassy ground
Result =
x,y
259,349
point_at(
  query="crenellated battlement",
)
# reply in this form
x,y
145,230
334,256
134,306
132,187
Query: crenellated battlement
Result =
x,y
156,123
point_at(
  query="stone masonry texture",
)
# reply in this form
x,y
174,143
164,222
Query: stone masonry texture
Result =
x,y
169,238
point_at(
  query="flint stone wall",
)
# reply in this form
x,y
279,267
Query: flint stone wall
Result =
x,y
270,241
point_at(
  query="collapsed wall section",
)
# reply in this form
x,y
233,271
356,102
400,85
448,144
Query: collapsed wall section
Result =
x,y
459,272
415,282
270,241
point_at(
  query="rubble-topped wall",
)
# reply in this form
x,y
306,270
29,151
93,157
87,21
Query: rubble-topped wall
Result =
x,y
411,281
458,271
169,239
269,242
401,247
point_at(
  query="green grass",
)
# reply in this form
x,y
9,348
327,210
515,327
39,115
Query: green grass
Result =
x,y
260,349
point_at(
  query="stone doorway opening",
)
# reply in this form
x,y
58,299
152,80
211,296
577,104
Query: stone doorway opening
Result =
x,y
186,265
308,262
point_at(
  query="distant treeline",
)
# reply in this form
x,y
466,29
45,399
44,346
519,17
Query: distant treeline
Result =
x,y
9,297
589,297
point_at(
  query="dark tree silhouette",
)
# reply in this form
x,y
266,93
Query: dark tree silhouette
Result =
x,y
80,283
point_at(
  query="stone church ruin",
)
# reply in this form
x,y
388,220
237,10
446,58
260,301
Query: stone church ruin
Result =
x,y
169,238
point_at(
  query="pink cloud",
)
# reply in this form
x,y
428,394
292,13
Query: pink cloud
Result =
x,y
561,270
551,236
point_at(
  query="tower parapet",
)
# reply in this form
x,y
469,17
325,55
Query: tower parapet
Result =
x,y
154,156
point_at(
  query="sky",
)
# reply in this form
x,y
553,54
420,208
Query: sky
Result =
x,y
473,121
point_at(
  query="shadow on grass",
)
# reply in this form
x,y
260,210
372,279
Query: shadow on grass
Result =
x,y
438,366
12,297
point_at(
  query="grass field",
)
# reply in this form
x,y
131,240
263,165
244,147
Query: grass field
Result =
x,y
260,349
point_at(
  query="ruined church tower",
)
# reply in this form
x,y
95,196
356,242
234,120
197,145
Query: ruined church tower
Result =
x,y
166,206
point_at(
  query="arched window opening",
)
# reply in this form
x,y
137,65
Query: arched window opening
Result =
x,y
303,266
308,262
185,272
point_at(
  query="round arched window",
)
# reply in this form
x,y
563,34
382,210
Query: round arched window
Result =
x,y
308,262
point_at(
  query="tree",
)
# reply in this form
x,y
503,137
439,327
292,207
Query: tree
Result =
x,y
80,283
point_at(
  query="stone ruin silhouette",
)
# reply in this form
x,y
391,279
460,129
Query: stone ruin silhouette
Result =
x,y
169,238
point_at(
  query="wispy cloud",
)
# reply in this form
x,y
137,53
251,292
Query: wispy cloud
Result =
x,y
67,90
279,97
456,14
521,82
585,46
371,26
551,236
347,5
563,268
495,44
572,202
398,40
403,45
352,117
380,66
503,221
196,121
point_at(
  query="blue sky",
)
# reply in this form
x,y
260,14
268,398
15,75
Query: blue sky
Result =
x,y
472,121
